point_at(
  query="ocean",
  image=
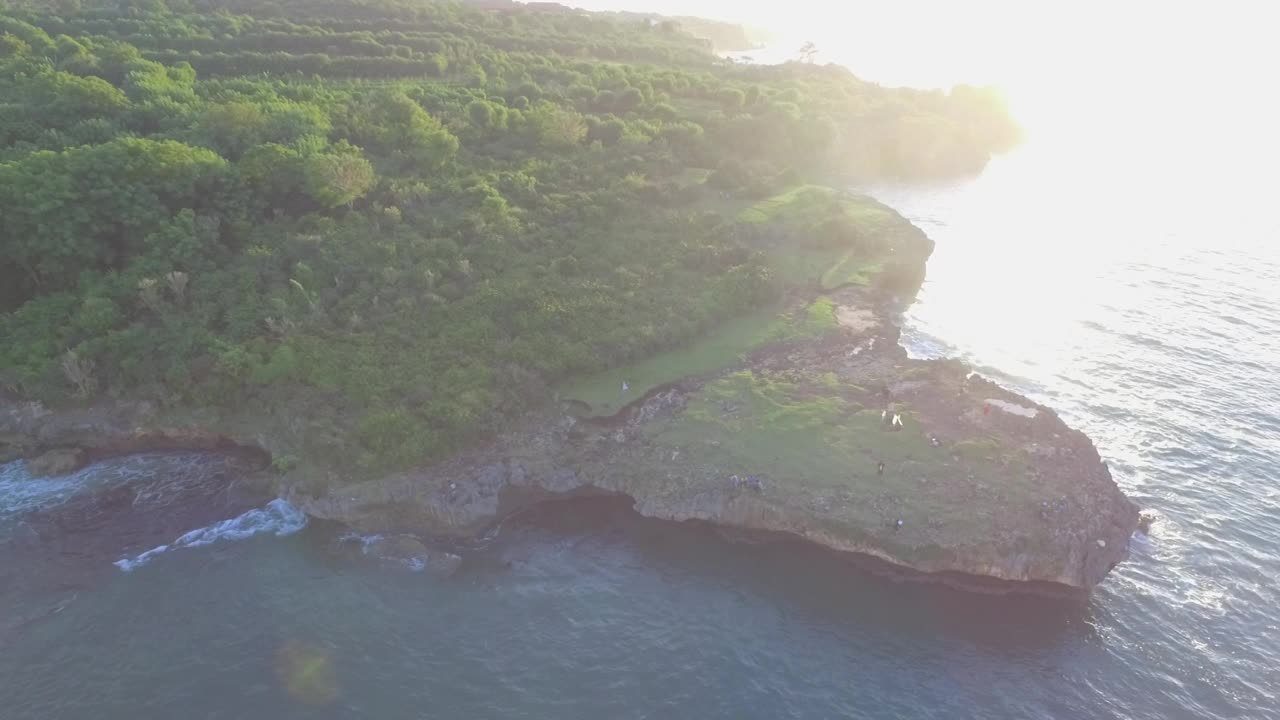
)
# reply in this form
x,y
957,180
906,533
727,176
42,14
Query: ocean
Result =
x,y
1144,311
1122,267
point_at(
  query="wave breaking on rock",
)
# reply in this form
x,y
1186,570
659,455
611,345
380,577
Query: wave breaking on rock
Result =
x,y
277,518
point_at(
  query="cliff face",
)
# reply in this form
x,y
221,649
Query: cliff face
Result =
x,y
62,441
829,432
824,429
976,482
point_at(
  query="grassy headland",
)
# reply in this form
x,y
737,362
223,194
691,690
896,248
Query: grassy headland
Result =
x,y
402,224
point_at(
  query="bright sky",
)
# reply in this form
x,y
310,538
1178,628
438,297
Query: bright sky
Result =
x,y
1159,70
1138,108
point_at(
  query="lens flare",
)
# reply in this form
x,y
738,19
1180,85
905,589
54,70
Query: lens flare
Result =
x,y
307,673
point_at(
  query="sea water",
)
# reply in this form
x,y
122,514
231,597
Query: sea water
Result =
x,y
1145,311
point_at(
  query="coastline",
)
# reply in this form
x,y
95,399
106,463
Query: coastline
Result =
x,y
983,448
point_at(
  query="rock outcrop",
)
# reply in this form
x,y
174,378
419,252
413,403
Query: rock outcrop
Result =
x,y
63,441
58,461
834,436
977,484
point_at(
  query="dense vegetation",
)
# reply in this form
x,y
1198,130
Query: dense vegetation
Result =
x,y
411,219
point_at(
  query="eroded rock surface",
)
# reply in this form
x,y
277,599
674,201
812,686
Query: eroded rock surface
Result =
x,y
832,434
793,440
64,441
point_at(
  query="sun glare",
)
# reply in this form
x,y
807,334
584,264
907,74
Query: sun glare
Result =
x,y
1143,78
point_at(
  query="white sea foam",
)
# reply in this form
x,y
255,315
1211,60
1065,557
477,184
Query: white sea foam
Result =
x,y
365,541
277,518
21,492
128,564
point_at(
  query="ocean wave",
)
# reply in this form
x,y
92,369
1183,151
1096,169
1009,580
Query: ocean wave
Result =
x,y
364,541
277,518
22,492
166,474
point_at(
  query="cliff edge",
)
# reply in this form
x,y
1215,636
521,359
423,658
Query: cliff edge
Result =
x,y
805,417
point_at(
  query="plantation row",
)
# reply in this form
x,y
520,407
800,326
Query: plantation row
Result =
x,y
408,221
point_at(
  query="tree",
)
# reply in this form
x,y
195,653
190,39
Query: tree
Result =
x,y
337,178
608,132
554,127
91,207
731,99
71,50
61,98
302,216
481,114
13,46
808,51
392,124
628,100
273,173
231,128
37,40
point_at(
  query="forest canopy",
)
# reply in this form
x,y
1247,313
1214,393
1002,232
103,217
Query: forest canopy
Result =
x,y
411,218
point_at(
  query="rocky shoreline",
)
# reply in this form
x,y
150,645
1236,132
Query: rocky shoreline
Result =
x,y
835,437
57,442
1065,542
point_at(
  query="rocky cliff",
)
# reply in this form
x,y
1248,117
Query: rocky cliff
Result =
x,y
821,428
972,483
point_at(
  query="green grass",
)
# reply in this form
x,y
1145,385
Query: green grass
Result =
x,y
979,449
792,202
794,264
819,318
722,347
789,204
812,431
802,199
815,436
726,346
854,268
869,213
835,267
764,420
801,266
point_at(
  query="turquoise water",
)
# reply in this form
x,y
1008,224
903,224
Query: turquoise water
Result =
x,y
1145,312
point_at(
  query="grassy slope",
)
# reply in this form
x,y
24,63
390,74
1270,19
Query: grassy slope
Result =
x,y
818,441
604,394
796,201
832,267
814,439
726,345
